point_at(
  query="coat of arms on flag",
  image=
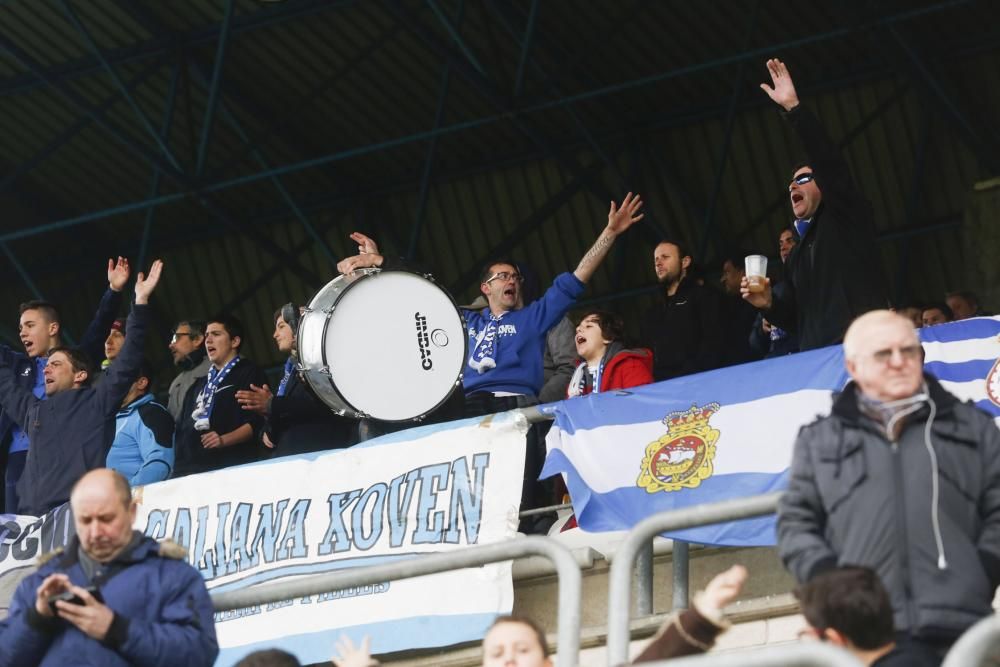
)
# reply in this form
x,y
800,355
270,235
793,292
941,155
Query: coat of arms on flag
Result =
x,y
682,457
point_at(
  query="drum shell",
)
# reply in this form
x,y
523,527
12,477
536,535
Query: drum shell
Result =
x,y
389,345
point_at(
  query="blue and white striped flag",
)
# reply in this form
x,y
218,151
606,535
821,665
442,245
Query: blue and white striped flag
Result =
x,y
727,433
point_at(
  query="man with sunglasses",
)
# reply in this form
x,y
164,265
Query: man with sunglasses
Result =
x,y
834,273
187,347
904,478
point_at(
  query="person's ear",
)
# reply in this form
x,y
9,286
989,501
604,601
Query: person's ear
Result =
x,y
237,342
485,289
686,262
835,637
852,366
142,383
79,377
53,329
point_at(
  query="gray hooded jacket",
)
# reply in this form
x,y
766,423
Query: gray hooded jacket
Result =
x,y
855,498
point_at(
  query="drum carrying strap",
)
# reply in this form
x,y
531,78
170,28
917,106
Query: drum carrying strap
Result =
x,y
484,354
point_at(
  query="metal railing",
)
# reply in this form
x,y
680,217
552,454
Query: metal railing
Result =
x,y
570,582
978,643
811,654
620,591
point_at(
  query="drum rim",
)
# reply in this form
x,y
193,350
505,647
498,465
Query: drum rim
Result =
x,y
374,272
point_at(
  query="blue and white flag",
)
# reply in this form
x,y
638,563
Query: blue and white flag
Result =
x,y
727,433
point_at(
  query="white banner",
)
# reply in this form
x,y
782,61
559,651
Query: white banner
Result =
x,y
426,490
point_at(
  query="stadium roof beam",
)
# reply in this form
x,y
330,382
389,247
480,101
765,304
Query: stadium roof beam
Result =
x,y
981,141
531,223
425,177
268,15
154,186
213,89
122,88
720,170
526,43
79,125
262,161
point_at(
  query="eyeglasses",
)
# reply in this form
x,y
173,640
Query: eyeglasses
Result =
x,y
908,353
504,276
802,179
177,334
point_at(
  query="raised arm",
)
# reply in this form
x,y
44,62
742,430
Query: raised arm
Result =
x,y
828,164
620,218
92,341
123,372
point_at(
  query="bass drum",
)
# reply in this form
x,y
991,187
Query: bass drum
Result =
x,y
390,345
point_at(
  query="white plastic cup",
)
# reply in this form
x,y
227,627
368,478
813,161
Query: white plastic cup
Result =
x,y
756,268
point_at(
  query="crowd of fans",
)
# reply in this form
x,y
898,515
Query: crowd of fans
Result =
x,y
64,415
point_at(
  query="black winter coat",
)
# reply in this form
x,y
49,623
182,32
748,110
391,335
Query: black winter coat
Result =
x,y
835,272
684,331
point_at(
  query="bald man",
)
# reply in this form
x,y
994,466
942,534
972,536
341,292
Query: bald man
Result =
x,y
903,478
125,598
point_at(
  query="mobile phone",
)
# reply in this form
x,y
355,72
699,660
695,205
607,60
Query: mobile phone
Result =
x,y
72,598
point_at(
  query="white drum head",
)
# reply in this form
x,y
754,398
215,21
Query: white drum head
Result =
x,y
395,345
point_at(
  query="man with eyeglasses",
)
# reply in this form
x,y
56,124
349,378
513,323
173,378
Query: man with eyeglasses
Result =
x,y
834,273
904,478
187,347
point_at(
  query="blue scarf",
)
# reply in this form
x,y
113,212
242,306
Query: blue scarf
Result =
x,y
206,398
802,226
289,369
484,353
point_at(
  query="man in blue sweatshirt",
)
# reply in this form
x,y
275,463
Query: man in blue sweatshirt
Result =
x,y
73,428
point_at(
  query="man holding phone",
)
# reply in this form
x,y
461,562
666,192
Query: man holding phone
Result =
x,y
113,596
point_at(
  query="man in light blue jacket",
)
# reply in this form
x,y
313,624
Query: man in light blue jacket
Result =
x,y
143,450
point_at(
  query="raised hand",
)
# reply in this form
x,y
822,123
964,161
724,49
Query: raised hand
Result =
x,y
118,273
366,245
368,255
349,656
725,587
623,217
783,92
761,300
144,285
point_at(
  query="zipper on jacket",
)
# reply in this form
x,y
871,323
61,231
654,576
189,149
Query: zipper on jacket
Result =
x,y
904,558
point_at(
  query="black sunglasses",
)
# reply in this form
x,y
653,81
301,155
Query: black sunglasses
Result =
x,y
803,178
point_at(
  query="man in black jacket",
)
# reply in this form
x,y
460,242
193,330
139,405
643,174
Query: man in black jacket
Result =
x,y
834,273
214,432
72,430
684,330
903,478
